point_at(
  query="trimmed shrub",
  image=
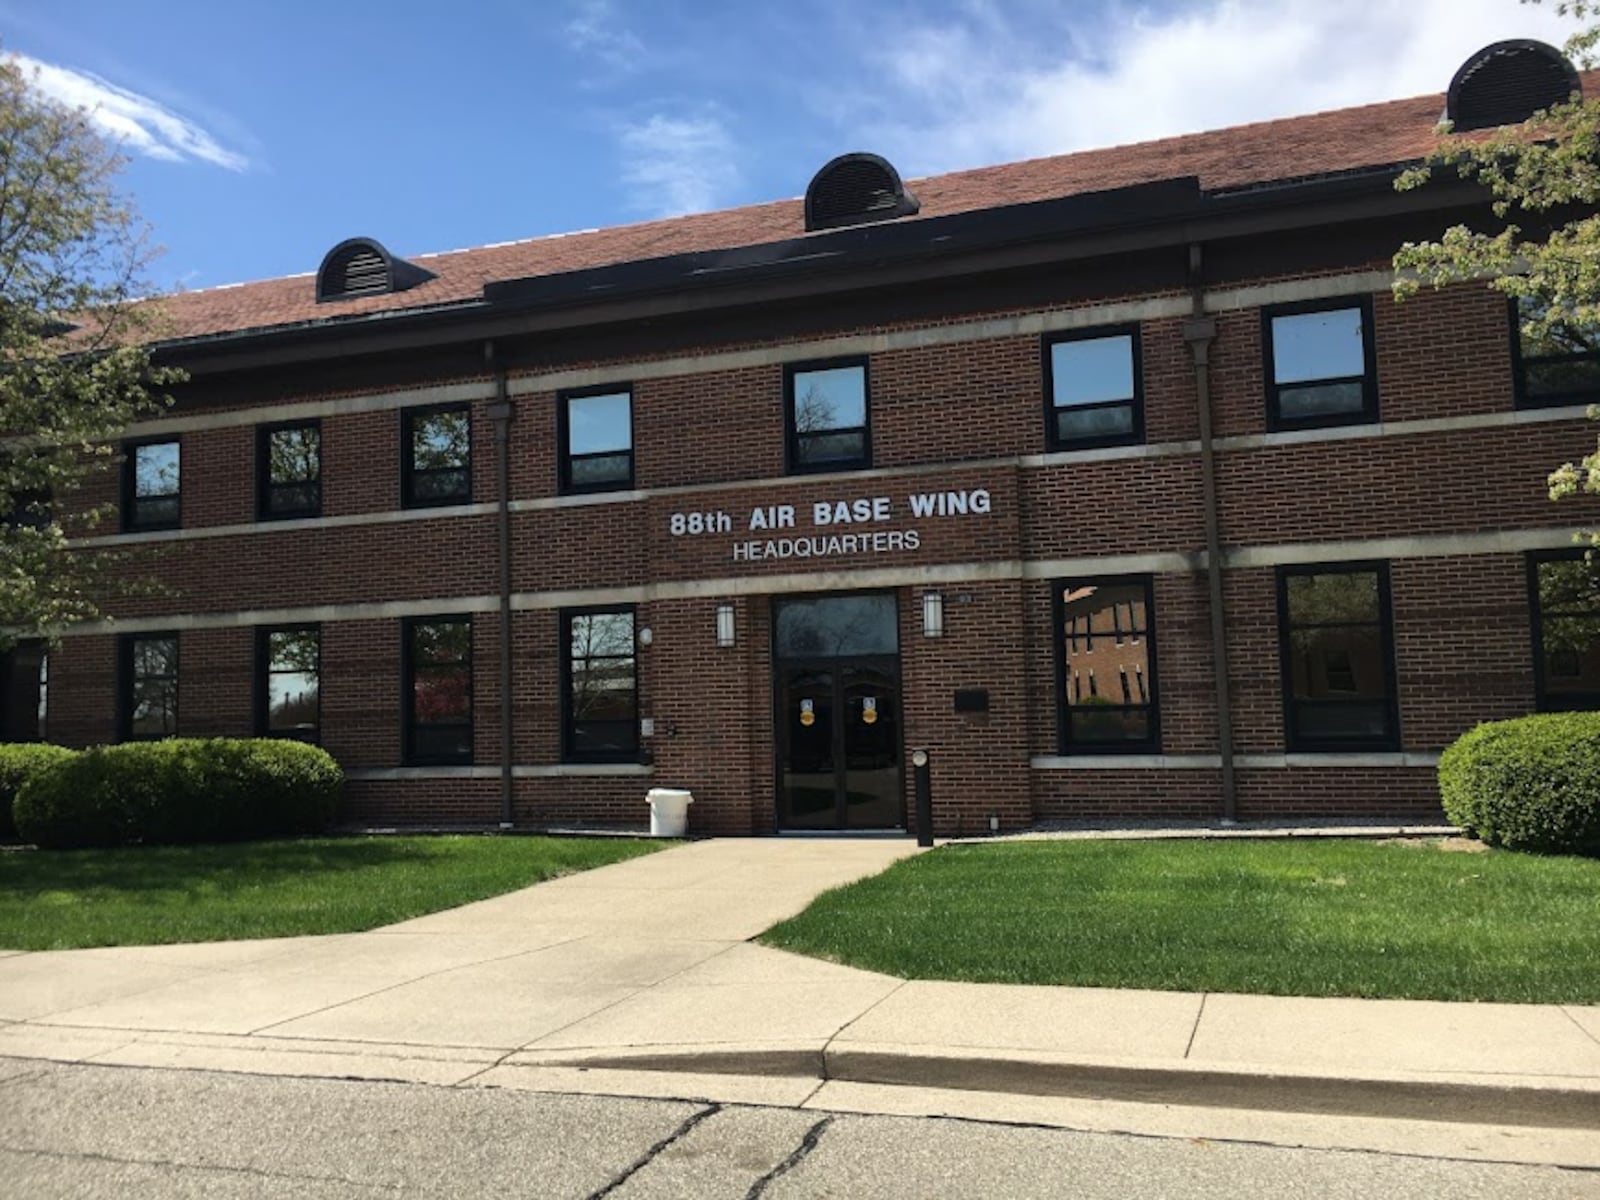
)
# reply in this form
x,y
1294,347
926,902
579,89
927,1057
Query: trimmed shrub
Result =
x,y
182,790
1528,784
20,762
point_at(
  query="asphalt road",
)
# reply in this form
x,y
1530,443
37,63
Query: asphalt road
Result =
x,y
87,1131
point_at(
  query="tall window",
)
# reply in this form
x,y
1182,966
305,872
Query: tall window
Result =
x,y
1565,589
151,496
1320,364
1557,361
289,471
436,445
1093,390
601,700
24,692
1337,648
438,682
597,440
825,413
1106,661
288,682
149,672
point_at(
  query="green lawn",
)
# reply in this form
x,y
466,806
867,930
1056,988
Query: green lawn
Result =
x,y
1301,917
153,894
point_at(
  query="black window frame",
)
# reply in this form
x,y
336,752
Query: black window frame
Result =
x,y
1297,743
1065,744
409,725
1368,412
126,680
24,666
565,483
1567,701
1521,361
264,482
791,436
570,753
263,674
408,470
1136,435
130,486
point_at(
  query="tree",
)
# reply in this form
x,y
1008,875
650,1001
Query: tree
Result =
x,y
1544,180
74,368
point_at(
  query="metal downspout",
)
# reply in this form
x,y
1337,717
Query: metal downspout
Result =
x,y
1198,332
500,414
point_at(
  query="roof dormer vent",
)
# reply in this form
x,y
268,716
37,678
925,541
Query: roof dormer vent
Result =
x,y
362,267
855,189
1506,83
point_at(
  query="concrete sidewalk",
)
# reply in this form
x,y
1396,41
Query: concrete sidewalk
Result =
x,y
645,966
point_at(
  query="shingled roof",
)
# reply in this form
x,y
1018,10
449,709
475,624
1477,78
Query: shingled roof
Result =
x,y
1349,139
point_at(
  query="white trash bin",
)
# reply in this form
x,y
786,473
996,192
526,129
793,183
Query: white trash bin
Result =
x,y
669,811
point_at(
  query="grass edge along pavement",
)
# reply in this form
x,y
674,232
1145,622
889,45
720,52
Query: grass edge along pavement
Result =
x,y
1305,917
153,895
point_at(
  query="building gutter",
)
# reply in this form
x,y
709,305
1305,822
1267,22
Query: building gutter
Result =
x,y
500,413
1199,331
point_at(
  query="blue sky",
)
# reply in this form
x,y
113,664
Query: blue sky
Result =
x,y
262,134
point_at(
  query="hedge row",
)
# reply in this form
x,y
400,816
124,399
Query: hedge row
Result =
x,y
178,791
1528,784
20,762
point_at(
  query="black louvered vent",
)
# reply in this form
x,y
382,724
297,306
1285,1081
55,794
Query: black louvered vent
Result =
x,y
855,189
362,270
1507,83
362,267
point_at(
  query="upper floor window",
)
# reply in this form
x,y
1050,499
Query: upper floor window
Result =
x,y
601,693
150,486
1565,601
1337,645
1106,653
438,686
596,440
289,471
825,414
436,445
1320,364
1557,362
288,682
149,674
1094,392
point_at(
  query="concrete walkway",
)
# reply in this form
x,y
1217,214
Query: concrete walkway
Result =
x,y
645,966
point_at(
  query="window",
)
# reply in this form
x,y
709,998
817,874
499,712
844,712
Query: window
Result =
x,y
1094,395
150,486
436,444
1338,658
289,471
438,683
826,415
288,682
1106,664
149,692
24,692
1557,362
1565,601
601,687
1320,365
597,440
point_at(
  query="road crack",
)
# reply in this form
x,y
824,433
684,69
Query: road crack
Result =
x,y
806,1146
645,1159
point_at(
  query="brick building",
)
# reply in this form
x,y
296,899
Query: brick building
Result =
x,y
755,502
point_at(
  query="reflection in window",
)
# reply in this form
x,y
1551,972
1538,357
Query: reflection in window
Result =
x,y
1557,360
438,683
289,682
151,492
602,697
598,449
1320,366
438,456
1337,657
290,471
1107,665
1566,630
827,416
1093,383
150,686
837,626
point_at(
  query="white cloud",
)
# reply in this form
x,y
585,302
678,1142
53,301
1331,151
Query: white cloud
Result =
x,y
678,165
596,29
978,87
140,124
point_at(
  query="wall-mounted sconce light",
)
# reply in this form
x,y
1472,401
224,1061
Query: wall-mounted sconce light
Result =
x,y
725,630
932,614
645,636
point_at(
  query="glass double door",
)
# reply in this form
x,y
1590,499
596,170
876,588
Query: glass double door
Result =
x,y
839,744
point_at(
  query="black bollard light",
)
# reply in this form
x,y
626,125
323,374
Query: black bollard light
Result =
x,y
924,789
